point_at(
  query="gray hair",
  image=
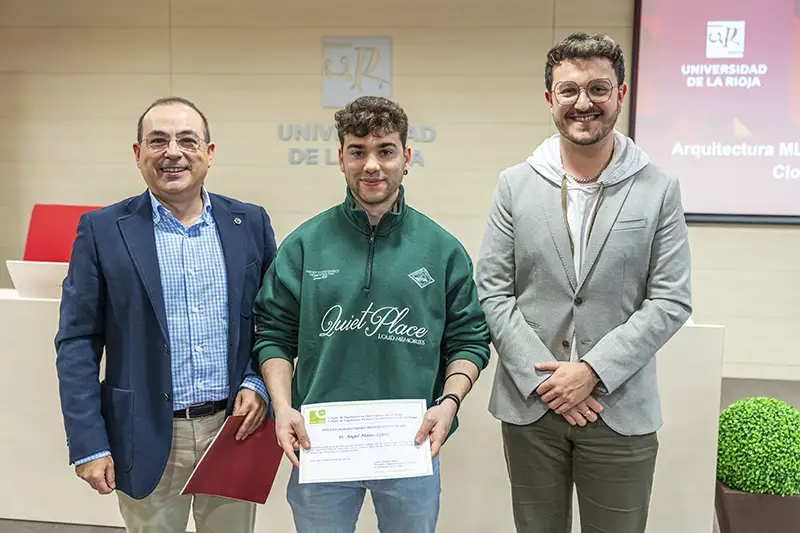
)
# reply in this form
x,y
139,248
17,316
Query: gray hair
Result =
x,y
169,100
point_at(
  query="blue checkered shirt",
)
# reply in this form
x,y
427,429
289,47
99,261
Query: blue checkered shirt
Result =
x,y
195,289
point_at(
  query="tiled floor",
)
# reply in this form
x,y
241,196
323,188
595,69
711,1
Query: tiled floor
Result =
x,y
16,526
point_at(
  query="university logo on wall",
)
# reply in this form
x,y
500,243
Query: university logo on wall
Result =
x,y
724,40
353,67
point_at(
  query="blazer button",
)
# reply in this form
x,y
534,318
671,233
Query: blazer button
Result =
x,y
578,300
565,344
166,396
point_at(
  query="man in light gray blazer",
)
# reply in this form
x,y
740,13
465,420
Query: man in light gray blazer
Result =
x,y
583,275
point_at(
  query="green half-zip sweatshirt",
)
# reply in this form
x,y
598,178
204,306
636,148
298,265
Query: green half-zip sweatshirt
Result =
x,y
370,313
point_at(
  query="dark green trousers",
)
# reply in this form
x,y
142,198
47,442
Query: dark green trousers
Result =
x,y
612,473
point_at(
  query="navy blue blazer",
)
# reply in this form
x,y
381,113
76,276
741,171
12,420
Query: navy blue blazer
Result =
x,y
112,300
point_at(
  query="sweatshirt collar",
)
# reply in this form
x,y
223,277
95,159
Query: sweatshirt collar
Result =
x,y
387,223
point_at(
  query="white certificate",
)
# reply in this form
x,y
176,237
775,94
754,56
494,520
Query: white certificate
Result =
x,y
357,441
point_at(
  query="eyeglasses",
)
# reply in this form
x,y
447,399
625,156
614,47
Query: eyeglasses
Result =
x,y
598,91
186,143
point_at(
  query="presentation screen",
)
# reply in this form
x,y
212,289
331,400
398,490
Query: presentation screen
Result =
x,y
716,102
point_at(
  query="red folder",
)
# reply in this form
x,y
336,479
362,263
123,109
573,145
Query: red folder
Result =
x,y
242,470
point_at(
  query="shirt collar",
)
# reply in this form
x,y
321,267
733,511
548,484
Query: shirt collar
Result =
x,y
159,211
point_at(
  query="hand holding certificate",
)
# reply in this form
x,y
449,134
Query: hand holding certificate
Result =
x,y
364,440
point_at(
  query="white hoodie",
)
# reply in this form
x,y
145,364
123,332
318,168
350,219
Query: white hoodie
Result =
x,y
582,200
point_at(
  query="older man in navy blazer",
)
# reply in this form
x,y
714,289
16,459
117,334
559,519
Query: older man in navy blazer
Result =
x,y
164,282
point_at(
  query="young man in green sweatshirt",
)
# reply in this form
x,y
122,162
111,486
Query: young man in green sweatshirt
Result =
x,y
369,300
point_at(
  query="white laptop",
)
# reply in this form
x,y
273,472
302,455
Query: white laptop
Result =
x,y
35,279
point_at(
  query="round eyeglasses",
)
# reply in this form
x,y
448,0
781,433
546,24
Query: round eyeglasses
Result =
x,y
568,92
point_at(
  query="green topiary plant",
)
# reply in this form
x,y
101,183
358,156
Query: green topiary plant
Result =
x,y
759,447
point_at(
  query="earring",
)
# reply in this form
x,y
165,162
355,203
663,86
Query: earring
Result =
x,y
405,172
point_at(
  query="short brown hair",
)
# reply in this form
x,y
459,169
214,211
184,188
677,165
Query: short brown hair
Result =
x,y
371,115
168,101
580,45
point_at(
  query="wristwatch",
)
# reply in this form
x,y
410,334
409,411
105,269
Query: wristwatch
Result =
x,y
451,396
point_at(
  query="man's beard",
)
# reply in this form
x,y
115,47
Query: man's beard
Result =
x,y
606,127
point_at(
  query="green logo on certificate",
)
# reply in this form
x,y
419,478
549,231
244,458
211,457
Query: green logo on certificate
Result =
x,y
317,417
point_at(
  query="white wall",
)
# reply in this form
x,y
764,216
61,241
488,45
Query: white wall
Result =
x,y
76,75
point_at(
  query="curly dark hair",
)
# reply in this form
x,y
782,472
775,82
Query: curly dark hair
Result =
x,y
371,115
581,45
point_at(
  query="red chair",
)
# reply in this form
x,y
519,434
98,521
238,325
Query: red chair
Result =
x,y
52,230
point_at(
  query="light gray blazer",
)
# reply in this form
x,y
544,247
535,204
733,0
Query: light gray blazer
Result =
x,y
633,296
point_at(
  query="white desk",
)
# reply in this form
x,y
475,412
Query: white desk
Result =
x,y
38,484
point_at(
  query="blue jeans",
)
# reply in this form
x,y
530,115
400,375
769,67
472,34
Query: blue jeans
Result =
x,y
409,505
